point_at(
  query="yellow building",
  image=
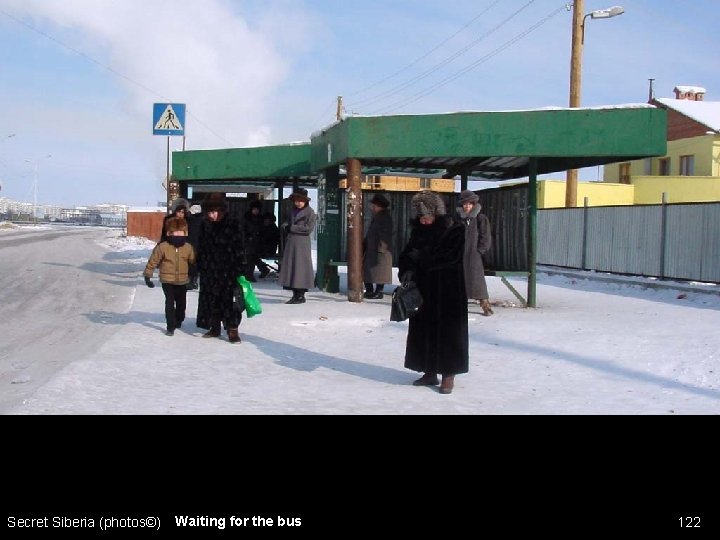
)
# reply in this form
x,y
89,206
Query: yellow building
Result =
x,y
690,171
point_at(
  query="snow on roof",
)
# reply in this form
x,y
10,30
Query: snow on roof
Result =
x,y
693,89
146,209
548,108
705,112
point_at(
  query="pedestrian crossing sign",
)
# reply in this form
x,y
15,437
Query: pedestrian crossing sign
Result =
x,y
169,119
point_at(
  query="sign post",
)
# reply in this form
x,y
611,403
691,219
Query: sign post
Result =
x,y
169,120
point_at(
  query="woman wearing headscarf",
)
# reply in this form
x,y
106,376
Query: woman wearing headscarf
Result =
x,y
296,271
437,340
477,242
377,256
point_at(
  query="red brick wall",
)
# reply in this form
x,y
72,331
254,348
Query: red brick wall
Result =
x,y
145,224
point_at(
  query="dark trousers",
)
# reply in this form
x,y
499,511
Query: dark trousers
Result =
x,y
175,303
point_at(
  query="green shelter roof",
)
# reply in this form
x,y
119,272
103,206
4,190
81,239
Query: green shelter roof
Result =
x,y
288,162
494,145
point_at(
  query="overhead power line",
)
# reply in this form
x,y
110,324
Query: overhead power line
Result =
x,y
411,64
111,70
395,90
404,103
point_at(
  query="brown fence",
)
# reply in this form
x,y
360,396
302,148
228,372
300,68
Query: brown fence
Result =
x,y
145,224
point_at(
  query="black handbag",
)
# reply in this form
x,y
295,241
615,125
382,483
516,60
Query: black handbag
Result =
x,y
406,301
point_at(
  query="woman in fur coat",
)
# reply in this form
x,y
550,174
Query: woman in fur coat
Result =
x,y
437,341
220,260
296,270
477,243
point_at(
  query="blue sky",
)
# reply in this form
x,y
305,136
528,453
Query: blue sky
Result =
x,y
79,77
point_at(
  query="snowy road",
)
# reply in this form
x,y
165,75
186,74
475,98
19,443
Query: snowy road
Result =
x,y
51,280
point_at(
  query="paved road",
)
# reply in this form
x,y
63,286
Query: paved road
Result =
x,y
53,283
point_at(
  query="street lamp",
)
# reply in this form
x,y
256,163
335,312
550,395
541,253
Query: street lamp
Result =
x,y
578,39
35,183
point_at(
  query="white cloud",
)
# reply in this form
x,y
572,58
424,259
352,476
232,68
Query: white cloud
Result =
x,y
204,54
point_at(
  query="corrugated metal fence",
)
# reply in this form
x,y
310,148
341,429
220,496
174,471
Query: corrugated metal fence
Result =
x,y
680,241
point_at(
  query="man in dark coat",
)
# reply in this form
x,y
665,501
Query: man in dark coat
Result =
x,y
477,242
220,261
377,255
269,241
437,340
252,226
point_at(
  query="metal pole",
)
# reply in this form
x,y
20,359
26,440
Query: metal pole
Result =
x,y
35,187
167,176
575,88
532,233
354,231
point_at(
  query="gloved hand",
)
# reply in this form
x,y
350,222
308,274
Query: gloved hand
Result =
x,y
148,282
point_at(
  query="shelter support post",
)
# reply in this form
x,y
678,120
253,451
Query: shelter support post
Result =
x,y
532,233
463,181
329,227
354,231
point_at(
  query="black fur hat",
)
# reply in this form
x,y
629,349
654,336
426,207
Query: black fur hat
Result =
x,y
214,201
428,203
380,200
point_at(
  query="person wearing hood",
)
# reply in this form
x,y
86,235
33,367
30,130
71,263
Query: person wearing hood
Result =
x,y
478,241
437,340
174,257
296,270
221,260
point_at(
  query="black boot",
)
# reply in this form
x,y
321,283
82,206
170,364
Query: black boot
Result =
x,y
378,294
368,290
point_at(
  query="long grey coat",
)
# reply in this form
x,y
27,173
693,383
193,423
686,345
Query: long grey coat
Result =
x,y
477,242
296,270
377,261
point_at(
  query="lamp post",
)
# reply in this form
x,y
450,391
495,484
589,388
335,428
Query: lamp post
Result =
x,y
35,183
578,40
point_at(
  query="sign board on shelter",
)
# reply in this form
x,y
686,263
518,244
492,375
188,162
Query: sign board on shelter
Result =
x,y
169,119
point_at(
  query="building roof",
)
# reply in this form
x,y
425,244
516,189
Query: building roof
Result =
x,y
705,112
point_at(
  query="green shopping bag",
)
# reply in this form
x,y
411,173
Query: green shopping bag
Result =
x,y
252,304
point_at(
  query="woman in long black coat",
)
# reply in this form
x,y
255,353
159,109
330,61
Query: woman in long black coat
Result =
x,y
220,260
437,341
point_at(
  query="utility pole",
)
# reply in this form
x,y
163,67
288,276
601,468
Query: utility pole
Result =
x,y
575,84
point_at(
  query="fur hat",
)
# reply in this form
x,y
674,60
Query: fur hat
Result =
x,y
177,203
380,200
300,195
467,196
214,201
428,203
176,224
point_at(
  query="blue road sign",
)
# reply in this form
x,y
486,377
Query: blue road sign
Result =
x,y
169,119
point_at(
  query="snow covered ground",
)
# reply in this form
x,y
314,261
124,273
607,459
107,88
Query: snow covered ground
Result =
x,y
618,347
